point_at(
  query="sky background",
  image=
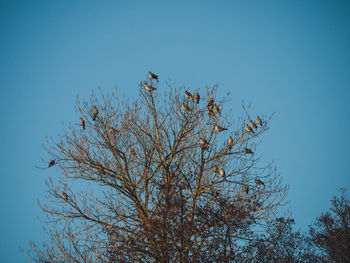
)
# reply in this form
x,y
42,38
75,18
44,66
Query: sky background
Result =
x,y
287,57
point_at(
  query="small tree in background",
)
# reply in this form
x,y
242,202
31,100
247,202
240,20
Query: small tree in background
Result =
x,y
330,234
167,178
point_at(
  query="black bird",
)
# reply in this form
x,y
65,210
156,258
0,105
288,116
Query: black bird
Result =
x,y
259,182
52,163
94,113
247,151
152,76
82,123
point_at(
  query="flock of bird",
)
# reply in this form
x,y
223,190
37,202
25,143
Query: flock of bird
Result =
x,y
212,110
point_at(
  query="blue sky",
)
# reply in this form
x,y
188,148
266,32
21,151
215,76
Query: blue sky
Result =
x,y
287,57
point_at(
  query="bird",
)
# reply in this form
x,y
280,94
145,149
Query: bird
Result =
x,y
152,76
94,113
197,98
230,141
112,130
248,128
149,87
211,112
252,124
216,109
215,168
64,195
188,95
220,129
210,104
247,151
203,141
258,120
52,163
82,123
259,182
185,107
222,172
246,189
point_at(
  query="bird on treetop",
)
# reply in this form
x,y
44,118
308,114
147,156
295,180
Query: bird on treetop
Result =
x,y
188,95
94,113
252,124
258,120
52,163
259,182
152,76
82,123
197,98
248,128
247,151
149,87
220,129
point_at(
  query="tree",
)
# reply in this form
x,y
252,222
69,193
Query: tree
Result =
x,y
330,234
169,178
280,243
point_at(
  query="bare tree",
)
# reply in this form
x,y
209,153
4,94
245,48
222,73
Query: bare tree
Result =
x,y
330,234
167,178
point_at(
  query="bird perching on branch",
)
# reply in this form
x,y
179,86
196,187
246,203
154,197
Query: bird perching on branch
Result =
x,y
188,95
252,124
94,113
249,129
259,182
258,120
219,128
52,163
152,76
82,123
149,87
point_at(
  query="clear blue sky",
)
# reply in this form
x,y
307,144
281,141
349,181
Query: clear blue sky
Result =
x,y
288,57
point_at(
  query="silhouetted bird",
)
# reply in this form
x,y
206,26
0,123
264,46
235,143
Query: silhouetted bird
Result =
x,y
247,151
149,87
94,113
197,98
185,107
222,172
82,123
258,120
248,128
252,124
219,129
152,76
64,196
216,109
188,95
230,141
259,182
52,163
